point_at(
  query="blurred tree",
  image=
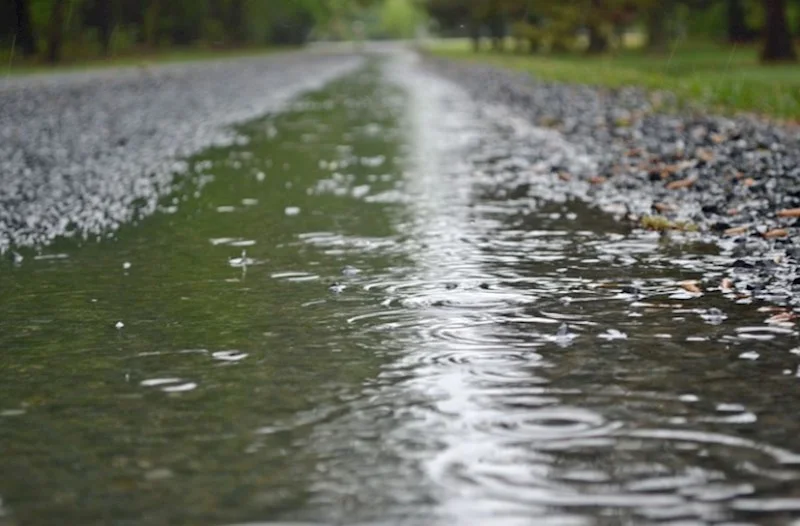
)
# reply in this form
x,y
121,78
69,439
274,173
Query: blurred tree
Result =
x,y
55,34
101,15
778,45
598,41
738,28
400,18
23,28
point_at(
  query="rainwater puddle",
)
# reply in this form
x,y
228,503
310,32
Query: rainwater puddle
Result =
x,y
372,314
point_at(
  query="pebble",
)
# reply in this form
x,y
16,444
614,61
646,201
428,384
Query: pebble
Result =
x,y
735,179
350,271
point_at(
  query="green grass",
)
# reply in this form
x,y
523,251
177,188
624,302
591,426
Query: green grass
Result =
x,y
16,65
711,76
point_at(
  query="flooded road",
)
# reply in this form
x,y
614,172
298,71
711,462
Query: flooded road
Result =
x,y
372,312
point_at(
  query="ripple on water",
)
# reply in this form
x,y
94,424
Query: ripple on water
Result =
x,y
477,400
169,385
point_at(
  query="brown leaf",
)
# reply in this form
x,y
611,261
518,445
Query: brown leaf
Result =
x,y
717,138
789,212
683,183
663,207
776,233
726,285
749,182
735,231
691,286
597,179
564,176
704,155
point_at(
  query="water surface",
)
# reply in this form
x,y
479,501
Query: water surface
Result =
x,y
368,312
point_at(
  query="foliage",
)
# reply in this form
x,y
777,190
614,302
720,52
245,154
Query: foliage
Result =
x,y
701,74
400,18
85,28
559,25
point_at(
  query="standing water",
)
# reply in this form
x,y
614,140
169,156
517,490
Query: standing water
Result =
x,y
368,313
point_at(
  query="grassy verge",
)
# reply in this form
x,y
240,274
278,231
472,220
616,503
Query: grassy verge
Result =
x,y
18,66
714,77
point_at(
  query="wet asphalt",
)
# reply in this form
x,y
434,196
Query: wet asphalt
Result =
x,y
83,153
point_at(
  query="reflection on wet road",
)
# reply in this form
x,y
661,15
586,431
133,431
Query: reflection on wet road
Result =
x,y
376,312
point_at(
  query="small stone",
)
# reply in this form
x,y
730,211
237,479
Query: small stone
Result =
x,y
336,288
350,271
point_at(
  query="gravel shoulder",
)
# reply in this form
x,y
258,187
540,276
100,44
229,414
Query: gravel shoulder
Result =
x,y
82,153
734,182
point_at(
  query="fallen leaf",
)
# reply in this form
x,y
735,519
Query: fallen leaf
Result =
x,y
691,286
564,176
735,231
776,233
717,138
749,182
789,212
597,179
663,207
704,155
726,285
683,183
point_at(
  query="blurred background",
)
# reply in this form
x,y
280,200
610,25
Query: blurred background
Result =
x,y
68,30
710,52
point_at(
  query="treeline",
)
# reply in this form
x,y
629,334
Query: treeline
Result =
x,y
558,25
51,29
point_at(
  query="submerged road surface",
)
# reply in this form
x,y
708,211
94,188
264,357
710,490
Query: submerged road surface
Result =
x,y
386,303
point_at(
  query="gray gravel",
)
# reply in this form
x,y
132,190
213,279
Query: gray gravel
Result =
x,y
728,177
83,153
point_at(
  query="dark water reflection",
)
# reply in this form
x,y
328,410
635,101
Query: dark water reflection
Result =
x,y
493,356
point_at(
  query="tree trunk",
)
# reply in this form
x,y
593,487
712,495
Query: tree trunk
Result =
x,y
778,46
656,30
104,16
497,27
151,19
475,35
55,39
239,21
598,43
737,23
23,28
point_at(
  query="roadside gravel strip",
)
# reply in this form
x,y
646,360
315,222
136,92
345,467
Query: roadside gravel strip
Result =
x,y
83,153
734,180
